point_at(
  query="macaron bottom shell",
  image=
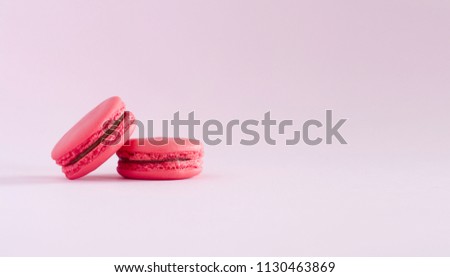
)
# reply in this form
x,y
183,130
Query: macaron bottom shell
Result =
x,y
159,174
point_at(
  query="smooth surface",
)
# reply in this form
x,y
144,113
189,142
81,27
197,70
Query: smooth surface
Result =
x,y
384,65
159,148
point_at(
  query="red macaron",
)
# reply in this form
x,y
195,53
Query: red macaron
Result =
x,y
94,139
160,159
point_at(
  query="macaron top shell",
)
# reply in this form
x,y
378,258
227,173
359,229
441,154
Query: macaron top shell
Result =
x,y
89,127
156,148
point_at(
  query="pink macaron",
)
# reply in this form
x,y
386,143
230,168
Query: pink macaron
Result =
x,y
160,159
94,139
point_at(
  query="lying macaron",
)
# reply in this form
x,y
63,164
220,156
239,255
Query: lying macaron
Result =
x,y
160,159
94,139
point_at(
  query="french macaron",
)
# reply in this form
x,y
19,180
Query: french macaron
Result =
x,y
160,158
94,139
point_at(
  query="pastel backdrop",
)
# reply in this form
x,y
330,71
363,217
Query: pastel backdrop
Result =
x,y
383,65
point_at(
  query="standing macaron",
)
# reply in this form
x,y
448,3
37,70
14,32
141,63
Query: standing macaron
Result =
x,y
169,159
94,139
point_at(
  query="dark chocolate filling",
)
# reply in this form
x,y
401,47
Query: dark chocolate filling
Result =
x,y
99,140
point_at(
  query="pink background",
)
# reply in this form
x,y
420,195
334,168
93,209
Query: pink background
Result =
x,y
383,65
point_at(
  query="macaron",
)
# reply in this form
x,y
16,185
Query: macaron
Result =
x,y
160,158
94,139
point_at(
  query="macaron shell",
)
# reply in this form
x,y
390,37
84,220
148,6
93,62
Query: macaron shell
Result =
x,y
163,146
159,174
88,126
